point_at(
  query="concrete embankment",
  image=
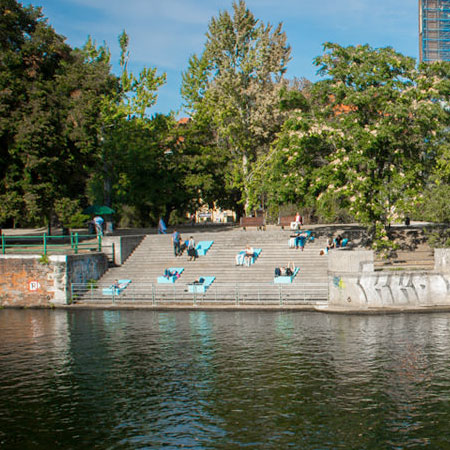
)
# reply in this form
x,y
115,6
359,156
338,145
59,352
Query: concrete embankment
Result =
x,y
350,280
354,285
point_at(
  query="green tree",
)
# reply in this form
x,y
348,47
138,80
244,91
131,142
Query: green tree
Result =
x,y
234,86
369,140
130,101
205,167
147,171
48,112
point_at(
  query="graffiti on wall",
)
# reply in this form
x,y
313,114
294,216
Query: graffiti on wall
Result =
x,y
338,282
89,267
404,288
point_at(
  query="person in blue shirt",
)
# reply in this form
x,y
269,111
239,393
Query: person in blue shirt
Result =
x,y
98,222
176,238
161,226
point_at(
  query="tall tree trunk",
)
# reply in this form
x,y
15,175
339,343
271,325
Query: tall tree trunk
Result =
x,y
245,178
49,224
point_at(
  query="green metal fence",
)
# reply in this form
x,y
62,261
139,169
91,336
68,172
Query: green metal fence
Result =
x,y
46,244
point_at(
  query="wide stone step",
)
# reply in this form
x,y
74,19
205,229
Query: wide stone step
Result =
x,y
155,253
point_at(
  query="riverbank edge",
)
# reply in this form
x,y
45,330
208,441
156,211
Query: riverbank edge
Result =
x,y
324,309
354,287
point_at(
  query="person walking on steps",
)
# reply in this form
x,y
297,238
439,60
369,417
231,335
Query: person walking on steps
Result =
x,y
161,226
176,242
191,251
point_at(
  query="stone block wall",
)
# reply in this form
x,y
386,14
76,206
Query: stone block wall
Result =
x,y
353,284
26,282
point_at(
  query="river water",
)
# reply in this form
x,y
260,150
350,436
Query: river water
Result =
x,y
223,380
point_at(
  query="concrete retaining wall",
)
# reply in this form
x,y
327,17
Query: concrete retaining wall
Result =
x,y
442,260
26,282
354,284
123,246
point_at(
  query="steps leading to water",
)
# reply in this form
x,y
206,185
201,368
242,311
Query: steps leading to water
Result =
x,y
239,283
155,254
422,258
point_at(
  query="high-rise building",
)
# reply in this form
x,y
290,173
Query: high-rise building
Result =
x,y
434,30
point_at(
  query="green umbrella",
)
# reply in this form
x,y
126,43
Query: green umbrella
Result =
x,y
97,209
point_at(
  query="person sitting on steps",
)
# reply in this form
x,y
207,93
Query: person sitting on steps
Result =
x,y
330,243
168,273
285,271
300,241
249,254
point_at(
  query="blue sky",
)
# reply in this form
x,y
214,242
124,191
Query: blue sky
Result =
x,y
164,33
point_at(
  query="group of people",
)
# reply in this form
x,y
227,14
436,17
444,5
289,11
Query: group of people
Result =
x,y
171,273
179,246
336,242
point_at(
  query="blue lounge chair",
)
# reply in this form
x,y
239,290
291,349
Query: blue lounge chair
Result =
x,y
116,290
202,287
177,271
203,247
286,279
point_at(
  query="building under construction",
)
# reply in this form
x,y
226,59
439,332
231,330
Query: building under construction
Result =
x,y
434,30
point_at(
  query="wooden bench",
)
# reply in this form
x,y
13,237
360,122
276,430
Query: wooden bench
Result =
x,y
258,222
285,221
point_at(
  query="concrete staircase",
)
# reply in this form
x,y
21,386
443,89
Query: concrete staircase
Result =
x,y
421,258
233,283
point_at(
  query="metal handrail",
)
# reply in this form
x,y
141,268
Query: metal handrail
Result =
x,y
218,293
45,243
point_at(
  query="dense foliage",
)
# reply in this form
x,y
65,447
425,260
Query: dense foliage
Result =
x,y
369,142
48,105
66,122
234,86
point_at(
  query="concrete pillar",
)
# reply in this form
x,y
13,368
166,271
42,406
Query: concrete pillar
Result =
x,y
344,272
442,260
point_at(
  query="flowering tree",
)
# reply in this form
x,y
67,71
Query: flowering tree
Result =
x,y
370,138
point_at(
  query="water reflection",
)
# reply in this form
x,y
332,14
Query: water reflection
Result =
x,y
220,380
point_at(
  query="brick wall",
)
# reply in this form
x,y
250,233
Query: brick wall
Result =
x,y
26,282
